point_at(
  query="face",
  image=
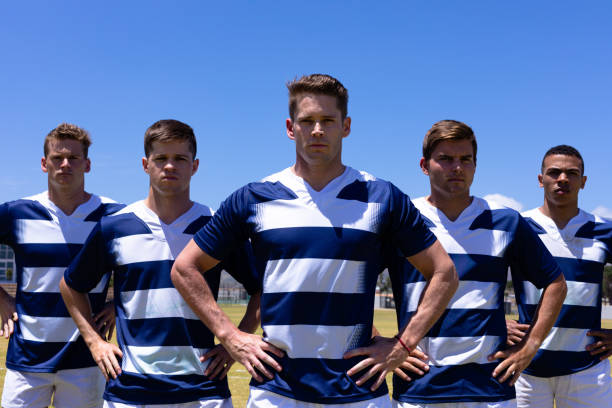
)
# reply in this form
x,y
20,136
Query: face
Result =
x,y
318,130
170,166
562,179
451,168
65,164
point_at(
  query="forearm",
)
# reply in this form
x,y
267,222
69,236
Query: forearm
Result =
x,y
79,308
251,319
547,311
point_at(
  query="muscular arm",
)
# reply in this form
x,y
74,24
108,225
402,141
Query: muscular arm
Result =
x,y
104,354
518,357
248,349
386,354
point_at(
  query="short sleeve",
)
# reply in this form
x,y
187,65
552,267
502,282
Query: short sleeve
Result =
x,y
241,265
529,259
90,264
408,231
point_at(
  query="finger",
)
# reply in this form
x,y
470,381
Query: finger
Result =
x,y
379,381
226,370
414,367
273,349
361,351
419,354
523,327
11,327
252,371
259,366
360,366
515,377
605,355
103,369
402,374
15,316
264,357
498,355
501,367
596,333
209,354
109,367
507,373
369,374
214,366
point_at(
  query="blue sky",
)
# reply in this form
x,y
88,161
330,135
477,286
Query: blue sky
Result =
x,y
525,75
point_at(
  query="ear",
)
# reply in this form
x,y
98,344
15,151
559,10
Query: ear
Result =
x,y
289,124
194,166
346,126
584,178
87,165
43,164
424,166
540,179
145,165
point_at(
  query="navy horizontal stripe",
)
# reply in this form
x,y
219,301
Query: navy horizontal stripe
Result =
x,y
466,322
49,255
549,363
581,270
321,381
45,357
316,242
102,210
455,383
371,191
123,225
46,304
196,225
500,220
141,389
596,230
154,275
573,317
29,210
166,331
317,308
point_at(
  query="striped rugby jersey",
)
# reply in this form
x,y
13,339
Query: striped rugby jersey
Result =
x,y
482,242
45,240
160,336
581,249
319,254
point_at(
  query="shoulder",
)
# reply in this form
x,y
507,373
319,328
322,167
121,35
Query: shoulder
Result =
x,y
31,208
363,186
494,216
595,227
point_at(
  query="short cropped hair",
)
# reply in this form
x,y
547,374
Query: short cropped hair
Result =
x,y
565,150
320,84
167,130
68,131
447,130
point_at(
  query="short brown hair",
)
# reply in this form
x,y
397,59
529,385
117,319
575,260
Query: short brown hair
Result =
x,y
71,132
167,130
447,130
564,150
321,84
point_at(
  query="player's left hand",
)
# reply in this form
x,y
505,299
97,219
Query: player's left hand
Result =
x,y
220,362
514,360
383,356
105,321
603,346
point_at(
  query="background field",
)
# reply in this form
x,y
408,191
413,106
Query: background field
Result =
x,y
384,319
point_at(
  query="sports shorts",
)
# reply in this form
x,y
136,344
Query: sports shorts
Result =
x,y
266,399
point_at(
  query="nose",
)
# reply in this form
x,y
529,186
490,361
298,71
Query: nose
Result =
x,y
317,130
65,162
562,177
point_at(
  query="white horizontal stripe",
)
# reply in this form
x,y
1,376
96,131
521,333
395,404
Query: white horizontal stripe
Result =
x,y
459,350
474,242
42,279
60,329
578,294
314,275
71,231
164,360
312,341
575,248
140,248
155,303
563,339
303,212
469,295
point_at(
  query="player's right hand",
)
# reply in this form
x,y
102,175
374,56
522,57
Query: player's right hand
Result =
x,y
415,363
516,332
8,313
105,355
252,351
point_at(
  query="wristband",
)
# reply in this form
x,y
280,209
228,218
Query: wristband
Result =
x,y
397,336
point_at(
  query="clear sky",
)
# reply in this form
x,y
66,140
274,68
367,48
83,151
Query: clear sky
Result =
x,y
525,75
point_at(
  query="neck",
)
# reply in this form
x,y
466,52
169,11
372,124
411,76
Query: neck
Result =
x,y
451,207
561,215
168,207
318,176
68,200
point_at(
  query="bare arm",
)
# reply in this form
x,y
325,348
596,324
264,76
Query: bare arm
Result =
x,y
220,359
248,349
386,354
104,354
8,313
517,358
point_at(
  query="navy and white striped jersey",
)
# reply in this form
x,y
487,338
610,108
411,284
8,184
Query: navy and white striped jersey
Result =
x,y
581,248
160,336
319,254
482,242
45,240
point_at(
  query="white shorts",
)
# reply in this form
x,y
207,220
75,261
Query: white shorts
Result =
x,y
266,399
500,404
211,403
588,388
76,388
